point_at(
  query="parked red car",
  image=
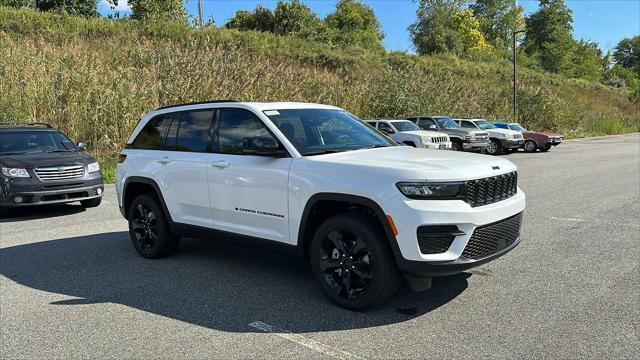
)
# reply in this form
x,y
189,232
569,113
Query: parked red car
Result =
x,y
533,140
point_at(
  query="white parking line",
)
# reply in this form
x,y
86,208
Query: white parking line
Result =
x,y
566,219
301,340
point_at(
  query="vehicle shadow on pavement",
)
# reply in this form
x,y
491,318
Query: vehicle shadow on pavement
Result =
x,y
213,284
41,212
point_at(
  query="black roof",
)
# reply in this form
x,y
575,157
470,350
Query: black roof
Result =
x,y
197,103
25,125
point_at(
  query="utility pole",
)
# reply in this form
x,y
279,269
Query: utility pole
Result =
x,y
200,14
515,79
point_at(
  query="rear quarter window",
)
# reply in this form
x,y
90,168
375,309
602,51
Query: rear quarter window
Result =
x,y
151,137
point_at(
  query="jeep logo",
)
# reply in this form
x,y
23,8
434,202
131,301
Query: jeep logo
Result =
x,y
495,168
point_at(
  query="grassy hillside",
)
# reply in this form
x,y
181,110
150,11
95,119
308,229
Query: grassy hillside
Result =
x,y
94,78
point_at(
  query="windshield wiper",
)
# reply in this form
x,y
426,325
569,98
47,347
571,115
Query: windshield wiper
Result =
x,y
59,150
322,152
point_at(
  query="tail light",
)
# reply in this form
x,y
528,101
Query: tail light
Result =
x,y
122,158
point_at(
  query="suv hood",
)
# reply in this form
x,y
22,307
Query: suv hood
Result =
x,y
501,132
411,164
32,161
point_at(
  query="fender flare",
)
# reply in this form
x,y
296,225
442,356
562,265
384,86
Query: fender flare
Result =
x,y
354,199
147,181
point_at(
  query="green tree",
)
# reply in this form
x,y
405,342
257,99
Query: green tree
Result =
x,y
295,18
498,19
261,19
18,3
354,23
627,53
75,7
587,62
443,26
156,9
549,35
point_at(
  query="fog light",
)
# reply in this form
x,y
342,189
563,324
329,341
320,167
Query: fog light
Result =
x,y
99,191
18,199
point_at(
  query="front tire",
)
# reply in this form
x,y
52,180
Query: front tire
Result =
x,y
530,146
495,148
456,145
149,229
353,263
546,148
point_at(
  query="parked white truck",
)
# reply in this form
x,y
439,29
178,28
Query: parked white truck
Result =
x,y
408,133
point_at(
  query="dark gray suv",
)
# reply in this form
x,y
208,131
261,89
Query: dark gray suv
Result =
x,y
40,165
461,138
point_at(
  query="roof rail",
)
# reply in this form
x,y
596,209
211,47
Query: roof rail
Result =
x,y
25,124
197,103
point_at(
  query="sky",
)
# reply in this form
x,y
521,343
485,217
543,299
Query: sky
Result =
x,y
603,21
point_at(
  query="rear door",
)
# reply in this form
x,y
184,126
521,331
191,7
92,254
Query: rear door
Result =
x,y
185,162
248,192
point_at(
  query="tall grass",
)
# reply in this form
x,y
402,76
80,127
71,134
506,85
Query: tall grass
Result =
x,y
94,78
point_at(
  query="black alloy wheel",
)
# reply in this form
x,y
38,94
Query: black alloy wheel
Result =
x,y
345,262
352,259
145,227
149,228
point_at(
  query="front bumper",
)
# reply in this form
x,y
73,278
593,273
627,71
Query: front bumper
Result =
x,y
438,146
511,144
476,146
34,193
555,141
408,215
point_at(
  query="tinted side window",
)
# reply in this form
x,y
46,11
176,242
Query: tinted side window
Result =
x,y
467,124
151,137
193,133
386,128
236,125
425,123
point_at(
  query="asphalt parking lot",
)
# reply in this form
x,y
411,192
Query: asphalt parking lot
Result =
x,y
71,284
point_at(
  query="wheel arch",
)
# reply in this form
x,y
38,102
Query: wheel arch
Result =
x,y
321,201
136,185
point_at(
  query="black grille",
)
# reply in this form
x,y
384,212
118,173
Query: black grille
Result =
x,y
492,189
489,239
436,239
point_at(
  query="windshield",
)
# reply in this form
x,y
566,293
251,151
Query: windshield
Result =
x,y
32,142
484,125
517,127
403,126
447,123
321,131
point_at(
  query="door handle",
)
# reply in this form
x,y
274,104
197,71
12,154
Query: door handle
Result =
x,y
164,160
221,164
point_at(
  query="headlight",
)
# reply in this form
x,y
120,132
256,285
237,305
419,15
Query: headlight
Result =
x,y
425,139
15,172
93,167
442,191
509,136
470,137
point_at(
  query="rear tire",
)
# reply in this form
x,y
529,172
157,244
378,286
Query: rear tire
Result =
x,y
353,262
91,202
149,229
530,146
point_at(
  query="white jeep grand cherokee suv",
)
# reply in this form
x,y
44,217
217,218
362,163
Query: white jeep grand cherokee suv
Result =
x,y
364,211
408,133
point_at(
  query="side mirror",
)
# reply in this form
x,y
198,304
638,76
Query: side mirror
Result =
x,y
433,127
82,146
265,145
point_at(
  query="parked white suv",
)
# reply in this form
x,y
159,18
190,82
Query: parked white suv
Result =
x,y
408,133
364,211
502,140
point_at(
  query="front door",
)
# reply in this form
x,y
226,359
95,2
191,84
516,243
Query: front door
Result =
x,y
249,193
